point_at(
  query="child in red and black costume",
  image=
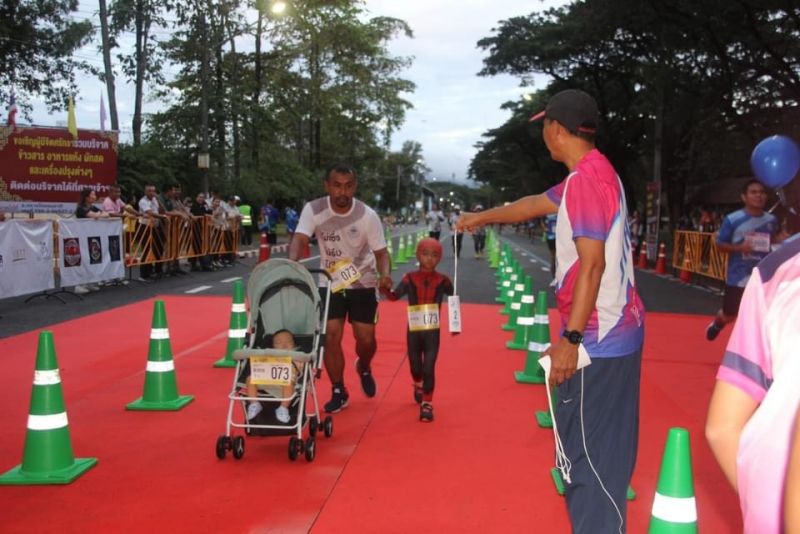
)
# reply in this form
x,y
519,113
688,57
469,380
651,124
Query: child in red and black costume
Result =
x,y
424,287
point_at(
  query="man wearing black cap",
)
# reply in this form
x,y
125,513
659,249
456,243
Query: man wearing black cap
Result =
x,y
601,313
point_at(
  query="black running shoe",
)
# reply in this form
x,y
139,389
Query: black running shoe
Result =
x,y
426,412
338,400
367,380
712,331
418,394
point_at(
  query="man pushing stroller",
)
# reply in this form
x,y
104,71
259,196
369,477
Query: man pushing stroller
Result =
x,y
353,251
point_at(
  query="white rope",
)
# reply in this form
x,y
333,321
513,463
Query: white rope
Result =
x,y
455,263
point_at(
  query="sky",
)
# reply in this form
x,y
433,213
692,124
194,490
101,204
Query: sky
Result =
x,y
453,106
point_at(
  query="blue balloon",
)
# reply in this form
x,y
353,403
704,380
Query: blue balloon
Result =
x,y
775,161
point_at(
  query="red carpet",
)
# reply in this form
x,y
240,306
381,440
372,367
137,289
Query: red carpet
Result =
x,y
482,466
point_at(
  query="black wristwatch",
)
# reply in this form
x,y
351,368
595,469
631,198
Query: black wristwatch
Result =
x,y
573,336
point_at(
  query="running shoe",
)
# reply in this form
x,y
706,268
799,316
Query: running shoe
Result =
x,y
426,412
253,409
367,380
338,400
282,414
712,331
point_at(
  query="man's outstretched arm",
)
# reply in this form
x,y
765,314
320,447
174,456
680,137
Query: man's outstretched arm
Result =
x,y
520,210
298,245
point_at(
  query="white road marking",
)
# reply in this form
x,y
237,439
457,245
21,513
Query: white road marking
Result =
x,y
198,289
229,280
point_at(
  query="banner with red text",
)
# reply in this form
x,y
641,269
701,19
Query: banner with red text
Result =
x,y
43,169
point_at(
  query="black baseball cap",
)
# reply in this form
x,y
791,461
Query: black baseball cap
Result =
x,y
574,109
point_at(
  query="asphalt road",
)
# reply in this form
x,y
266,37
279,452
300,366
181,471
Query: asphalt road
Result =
x,y
475,284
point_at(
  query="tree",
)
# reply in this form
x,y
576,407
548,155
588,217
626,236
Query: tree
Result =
x,y
141,17
37,43
674,89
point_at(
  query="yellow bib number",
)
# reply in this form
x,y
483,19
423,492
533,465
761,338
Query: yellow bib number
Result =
x,y
271,371
423,317
343,275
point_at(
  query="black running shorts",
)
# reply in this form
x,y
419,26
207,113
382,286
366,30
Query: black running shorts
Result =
x,y
358,305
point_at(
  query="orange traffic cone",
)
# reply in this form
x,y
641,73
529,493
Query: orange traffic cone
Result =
x,y
264,249
643,256
661,262
686,273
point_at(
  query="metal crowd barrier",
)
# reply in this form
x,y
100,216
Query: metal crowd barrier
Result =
x,y
177,238
697,252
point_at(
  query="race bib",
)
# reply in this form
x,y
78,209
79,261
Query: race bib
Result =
x,y
271,371
423,317
760,241
343,275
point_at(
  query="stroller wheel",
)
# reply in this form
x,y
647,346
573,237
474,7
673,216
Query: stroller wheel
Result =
x,y
294,448
313,425
238,447
327,426
223,444
311,449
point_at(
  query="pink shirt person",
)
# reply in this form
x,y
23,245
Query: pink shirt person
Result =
x,y
761,360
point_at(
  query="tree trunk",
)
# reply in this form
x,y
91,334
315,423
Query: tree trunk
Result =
x,y
204,97
219,111
237,153
142,31
109,72
256,95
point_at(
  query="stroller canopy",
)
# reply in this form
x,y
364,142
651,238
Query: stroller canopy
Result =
x,y
283,296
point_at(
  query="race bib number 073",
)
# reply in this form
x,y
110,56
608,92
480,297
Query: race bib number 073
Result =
x,y
271,371
343,275
423,317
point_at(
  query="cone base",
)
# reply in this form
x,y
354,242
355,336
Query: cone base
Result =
x,y
18,477
172,405
558,482
508,327
225,363
516,345
522,378
543,419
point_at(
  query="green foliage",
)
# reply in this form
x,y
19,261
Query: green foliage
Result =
x,y
717,75
37,40
323,89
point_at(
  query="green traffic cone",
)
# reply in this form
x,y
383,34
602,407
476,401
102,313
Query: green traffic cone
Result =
x,y
558,482
514,307
391,255
47,456
538,343
511,292
543,417
237,327
494,256
525,320
504,284
401,250
160,385
674,507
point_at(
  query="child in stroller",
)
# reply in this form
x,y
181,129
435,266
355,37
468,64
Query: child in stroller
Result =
x,y
282,339
276,372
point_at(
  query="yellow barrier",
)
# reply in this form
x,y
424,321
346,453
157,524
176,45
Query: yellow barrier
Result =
x,y
697,252
177,238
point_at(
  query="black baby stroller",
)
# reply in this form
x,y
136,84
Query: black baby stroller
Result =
x,y
283,295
